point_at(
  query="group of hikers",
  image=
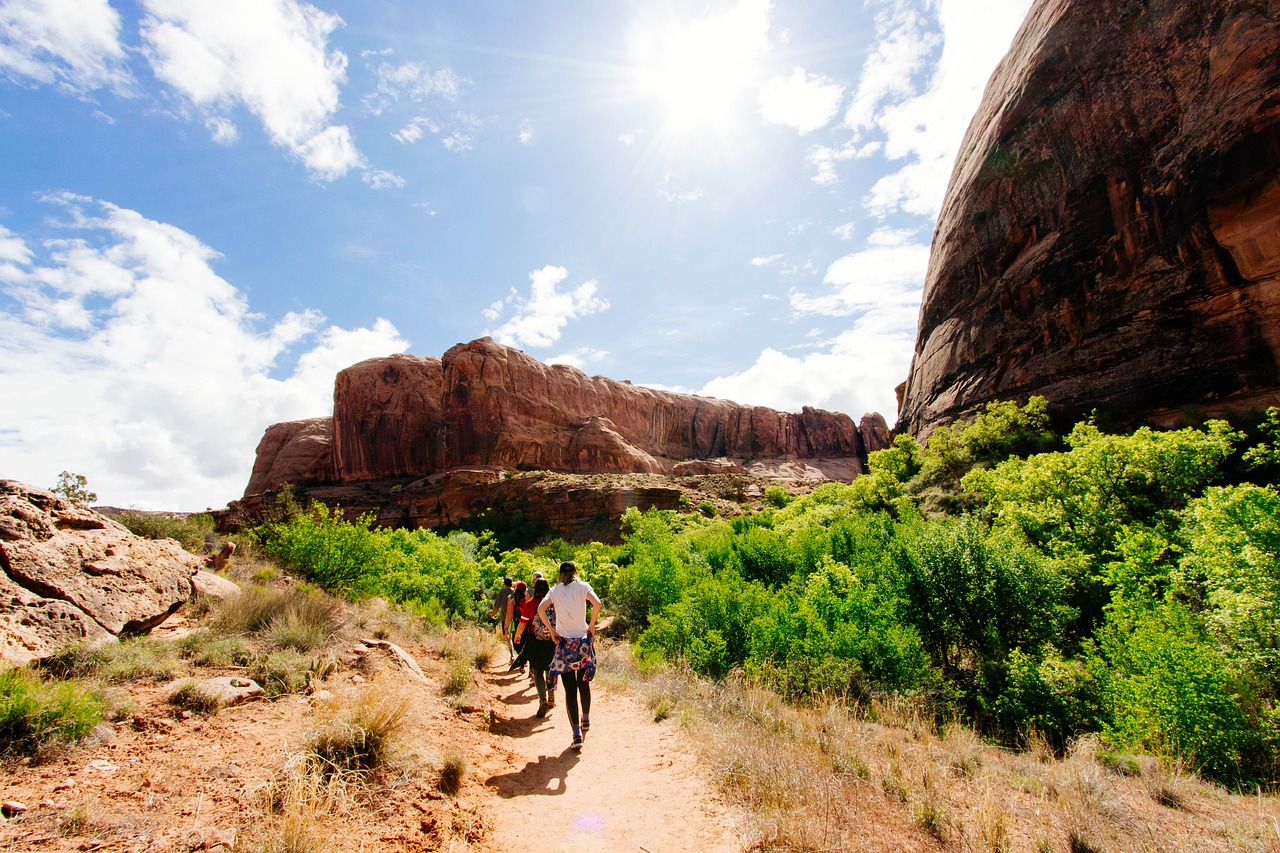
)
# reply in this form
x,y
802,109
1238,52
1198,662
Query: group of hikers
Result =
x,y
546,628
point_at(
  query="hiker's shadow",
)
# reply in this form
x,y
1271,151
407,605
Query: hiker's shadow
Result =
x,y
519,686
547,776
519,726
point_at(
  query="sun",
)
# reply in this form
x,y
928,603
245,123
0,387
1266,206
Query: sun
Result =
x,y
698,71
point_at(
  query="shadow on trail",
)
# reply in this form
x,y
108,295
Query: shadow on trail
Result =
x,y
548,776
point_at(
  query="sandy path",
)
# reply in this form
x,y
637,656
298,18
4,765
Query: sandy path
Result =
x,y
635,785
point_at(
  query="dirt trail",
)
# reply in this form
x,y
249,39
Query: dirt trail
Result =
x,y
635,786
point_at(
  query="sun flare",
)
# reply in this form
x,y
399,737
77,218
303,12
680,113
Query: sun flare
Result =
x,y
698,71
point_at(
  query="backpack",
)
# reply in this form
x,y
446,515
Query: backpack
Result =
x,y
540,631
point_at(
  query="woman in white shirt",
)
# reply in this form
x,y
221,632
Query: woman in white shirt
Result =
x,y
575,657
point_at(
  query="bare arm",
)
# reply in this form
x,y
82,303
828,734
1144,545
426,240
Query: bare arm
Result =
x,y
595,611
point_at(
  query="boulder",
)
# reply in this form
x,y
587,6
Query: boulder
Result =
x,y
213,586
1110,238
68,573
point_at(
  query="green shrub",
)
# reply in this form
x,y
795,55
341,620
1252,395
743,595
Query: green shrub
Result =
x,y
1047,695
282,671
35,714
1171,694
776,496
708,509
192,532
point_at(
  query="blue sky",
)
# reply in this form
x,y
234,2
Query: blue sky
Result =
x,y
208,209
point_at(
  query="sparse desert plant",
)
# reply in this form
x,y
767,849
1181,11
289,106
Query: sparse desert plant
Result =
x,y
453,769
190,696
282,671
661,709
192,532
299,803
300,617
457,679
134,659
361,740
36,714
205,648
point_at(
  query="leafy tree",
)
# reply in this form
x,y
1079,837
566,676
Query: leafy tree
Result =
x,y
1171,693
74,487
972,594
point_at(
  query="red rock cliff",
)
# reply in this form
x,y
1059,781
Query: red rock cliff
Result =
x,y
1111,235
490,406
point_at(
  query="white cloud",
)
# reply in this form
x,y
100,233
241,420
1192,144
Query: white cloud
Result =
x,y
843,231
380,179
223,130
904,44
410,82
526,132
800,101
540,317
268,56
73,43
854,374
679,196
581,358
925,128
141,368
888,274
765,261
627,139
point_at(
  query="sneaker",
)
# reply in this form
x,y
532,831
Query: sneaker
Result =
x,y
577,742
542,710
586,724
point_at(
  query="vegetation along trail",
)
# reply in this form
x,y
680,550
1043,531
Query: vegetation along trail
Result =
x,y
634,786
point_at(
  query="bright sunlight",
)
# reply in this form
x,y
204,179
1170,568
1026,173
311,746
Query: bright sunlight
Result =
x,y
698,71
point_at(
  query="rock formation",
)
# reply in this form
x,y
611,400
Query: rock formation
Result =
x,y
68,573
1111,235
484,405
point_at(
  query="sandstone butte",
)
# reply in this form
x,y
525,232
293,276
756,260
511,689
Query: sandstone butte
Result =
x,y
1110,238
484,408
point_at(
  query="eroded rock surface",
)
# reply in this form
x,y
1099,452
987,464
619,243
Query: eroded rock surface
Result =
x,y
484,405
1111,235
68,573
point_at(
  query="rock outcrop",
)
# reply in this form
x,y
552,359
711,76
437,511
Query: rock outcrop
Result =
x,y
484,405
70,574
1111,235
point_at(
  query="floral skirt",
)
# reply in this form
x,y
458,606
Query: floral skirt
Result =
x,y
577,656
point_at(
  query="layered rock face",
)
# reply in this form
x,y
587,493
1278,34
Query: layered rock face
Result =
x,y
484,405
70,574
1111,235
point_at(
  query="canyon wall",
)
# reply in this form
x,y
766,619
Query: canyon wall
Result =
x,y
487,406
1110,238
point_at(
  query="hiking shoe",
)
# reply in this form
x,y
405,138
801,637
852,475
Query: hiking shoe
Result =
x,y
542,710
577,742
586,724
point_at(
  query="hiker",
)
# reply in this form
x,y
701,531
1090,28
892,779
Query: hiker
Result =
x,y
575,656
526,613
539,648
499,611
519,592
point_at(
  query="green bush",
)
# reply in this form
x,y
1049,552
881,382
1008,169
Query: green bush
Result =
x,y
1047,695
192,532
776,496
1171,694
35,714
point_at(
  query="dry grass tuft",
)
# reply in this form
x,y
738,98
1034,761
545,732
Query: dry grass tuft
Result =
x,y
190,696
453,769
361,740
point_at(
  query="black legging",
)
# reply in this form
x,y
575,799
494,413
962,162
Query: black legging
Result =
x,y
572,688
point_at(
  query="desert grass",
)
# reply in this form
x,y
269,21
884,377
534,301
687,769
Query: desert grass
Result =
x,y
298,615
453,770
827,775
37,716
361,738
470,644
190,696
